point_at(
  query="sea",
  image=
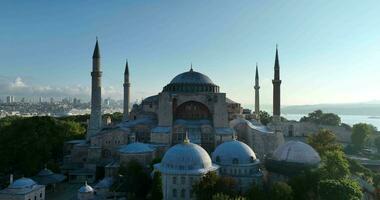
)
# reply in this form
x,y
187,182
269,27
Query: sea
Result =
x,y
347,119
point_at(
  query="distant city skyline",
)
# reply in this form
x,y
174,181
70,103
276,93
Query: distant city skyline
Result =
x,y
328,51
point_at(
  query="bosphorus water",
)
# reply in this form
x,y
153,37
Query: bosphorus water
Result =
x,y
347,119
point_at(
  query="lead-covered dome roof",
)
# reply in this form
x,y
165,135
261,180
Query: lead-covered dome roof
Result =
x,y
22,183
186,158
191,81
136,147
296,152
192,77
233,152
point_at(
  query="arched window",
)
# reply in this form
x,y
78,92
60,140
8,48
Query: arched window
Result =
x,y
174,192
174,180
183,193
235,161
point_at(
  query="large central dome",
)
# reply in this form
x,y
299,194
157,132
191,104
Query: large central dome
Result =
x,y
192,77
191,81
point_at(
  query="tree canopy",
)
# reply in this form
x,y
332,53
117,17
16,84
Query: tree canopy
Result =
x,y
318,117
323,141
27,144
360,134
211,184
339,189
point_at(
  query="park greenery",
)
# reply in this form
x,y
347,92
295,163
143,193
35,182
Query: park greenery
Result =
x,y
318,117
27,144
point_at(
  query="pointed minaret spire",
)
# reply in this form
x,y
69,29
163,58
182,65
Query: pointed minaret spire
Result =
x,y
257,94
276,90
126,71
277,66
126,86
191,66
96,50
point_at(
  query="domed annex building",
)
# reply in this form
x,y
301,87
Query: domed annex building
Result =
x,y
290,159
190,103
23,189
181,166
237,160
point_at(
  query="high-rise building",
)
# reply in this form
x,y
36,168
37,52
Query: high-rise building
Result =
x,y
10,99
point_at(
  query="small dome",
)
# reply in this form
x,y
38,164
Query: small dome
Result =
x,y
191,77
233,152
22,183
296,152
86,189
186,158
136,147
45,172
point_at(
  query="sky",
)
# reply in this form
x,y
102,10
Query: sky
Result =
x,y
329,50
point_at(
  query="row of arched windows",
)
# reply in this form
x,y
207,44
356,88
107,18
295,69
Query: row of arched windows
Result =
x,y
191,88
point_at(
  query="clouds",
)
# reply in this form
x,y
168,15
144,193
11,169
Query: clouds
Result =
x,y
19,87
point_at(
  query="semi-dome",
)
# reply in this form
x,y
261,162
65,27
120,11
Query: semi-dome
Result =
x,y
22,183
296,152
233,152
186,158
86,189
191,81
136,147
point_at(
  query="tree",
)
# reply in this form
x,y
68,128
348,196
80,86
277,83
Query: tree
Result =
x,y
377,143
265,117
135,182
360,133
221,196
323,141
304,185
335,166
27,144
281,191
156,189
211,184
339,189
318,117
256,192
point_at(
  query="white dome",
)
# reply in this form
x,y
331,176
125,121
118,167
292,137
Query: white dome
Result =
x,y
233,152
22,183
186,158
136,147
296,152
86,189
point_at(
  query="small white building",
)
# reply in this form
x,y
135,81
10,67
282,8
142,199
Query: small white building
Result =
x,y
23,189
181,166
238,161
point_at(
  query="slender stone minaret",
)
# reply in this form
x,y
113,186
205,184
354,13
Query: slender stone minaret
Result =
x,y
276,90
257,95
95,123
126,86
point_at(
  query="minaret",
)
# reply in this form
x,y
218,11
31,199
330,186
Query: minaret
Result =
x,y
96,95
276,90
257,95
126,86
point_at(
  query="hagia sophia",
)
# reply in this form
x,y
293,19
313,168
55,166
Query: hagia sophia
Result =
x,y
192,126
